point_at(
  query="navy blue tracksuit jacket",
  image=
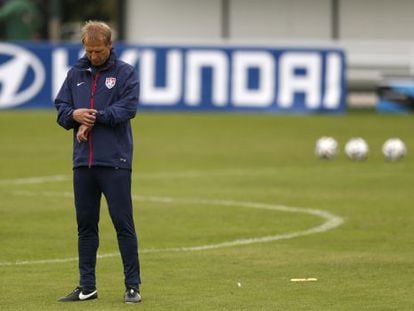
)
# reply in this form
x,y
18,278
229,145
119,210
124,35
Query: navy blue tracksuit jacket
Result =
x,y
110,141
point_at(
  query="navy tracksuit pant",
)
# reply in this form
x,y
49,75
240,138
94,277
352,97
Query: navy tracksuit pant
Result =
x,y
115,184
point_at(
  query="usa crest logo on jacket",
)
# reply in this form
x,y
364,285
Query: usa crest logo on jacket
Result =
x,y
110,82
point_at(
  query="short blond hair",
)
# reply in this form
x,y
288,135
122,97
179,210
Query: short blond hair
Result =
x,y
96,31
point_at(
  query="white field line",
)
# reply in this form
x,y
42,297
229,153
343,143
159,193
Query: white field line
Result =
x,y
34,180
331,221
147,176
210,173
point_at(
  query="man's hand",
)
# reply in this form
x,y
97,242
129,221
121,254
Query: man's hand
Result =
x,y
85,116
82,134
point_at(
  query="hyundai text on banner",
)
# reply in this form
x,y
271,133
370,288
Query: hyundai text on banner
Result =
x,y
199,77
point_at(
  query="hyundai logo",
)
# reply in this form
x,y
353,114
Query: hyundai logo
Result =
x,y
21,75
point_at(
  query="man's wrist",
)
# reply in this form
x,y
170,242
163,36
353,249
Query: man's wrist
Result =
x,y
74,117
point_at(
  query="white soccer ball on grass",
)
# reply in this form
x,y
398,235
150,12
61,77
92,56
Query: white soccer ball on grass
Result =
x,y
394,149
326,147
356,149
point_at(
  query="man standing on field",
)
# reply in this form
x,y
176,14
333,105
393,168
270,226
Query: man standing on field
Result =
x,y
97,100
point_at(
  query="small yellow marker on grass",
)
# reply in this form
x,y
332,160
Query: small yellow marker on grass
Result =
x,y
304,280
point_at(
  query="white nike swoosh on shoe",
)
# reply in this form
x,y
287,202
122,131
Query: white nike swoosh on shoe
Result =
x,y
80,83
84,297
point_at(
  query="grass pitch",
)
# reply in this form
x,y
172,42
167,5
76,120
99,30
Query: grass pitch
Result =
x,y
186,167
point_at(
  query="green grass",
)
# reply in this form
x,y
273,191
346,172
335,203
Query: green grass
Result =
x,y
365,264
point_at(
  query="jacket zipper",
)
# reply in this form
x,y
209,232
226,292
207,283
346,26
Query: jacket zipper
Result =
x,y
91,105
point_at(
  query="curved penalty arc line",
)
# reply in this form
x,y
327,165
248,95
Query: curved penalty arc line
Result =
x,y
331,221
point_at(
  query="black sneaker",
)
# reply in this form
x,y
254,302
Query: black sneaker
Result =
x,y
80,294
132,295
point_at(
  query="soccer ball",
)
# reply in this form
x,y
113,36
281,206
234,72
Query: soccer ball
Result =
x,y
394,149
356,149
326,147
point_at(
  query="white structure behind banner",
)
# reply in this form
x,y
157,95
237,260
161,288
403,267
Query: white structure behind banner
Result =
x,y
377,35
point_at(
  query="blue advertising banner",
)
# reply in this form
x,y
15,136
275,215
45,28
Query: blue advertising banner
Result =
x,y
197,78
